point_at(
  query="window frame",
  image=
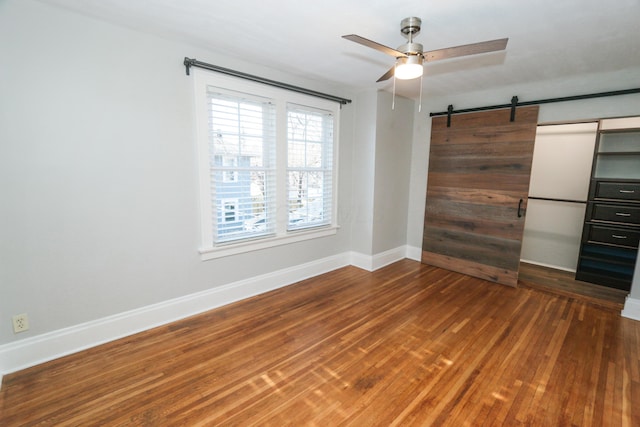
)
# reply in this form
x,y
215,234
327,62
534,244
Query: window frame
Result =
x,y
281,97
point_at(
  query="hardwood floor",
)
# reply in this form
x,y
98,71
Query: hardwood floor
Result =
x,y
406,345
564,283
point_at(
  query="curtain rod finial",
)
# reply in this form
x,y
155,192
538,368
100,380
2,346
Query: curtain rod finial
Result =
x,y
188,63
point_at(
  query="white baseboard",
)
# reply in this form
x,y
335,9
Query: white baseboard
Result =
x,y
46,347
631,309
414,253
362,261
374,262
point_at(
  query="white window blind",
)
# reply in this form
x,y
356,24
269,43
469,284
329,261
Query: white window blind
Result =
x,y
309,167
267,165
242,165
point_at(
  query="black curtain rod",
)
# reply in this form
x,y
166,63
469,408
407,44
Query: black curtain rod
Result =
x,y
189,62
540,101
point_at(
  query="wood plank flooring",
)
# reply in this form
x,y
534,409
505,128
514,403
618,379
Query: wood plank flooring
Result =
x,y
564,283
406,345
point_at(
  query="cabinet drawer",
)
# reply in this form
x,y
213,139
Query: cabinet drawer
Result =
x,y
616,213
617,190
613,236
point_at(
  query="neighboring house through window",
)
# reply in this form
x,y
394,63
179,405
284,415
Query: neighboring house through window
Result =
x,y
229,164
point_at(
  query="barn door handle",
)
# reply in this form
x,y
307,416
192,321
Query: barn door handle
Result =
x,y
520,208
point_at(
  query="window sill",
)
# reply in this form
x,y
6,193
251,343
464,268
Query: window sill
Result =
x,y
254,245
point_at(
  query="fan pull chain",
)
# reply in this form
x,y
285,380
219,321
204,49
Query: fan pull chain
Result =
x,y
420,104
393,98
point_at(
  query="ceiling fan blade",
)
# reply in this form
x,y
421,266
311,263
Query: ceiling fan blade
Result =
x,y
387,75
374,45
466,49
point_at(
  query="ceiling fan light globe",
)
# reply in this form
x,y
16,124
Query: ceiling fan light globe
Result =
x,y
409,68
408,71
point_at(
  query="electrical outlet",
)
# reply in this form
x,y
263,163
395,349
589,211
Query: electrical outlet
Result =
x,y
20,323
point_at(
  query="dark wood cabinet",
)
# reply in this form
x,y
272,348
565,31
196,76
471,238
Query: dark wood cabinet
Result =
x,y
611,233
615,213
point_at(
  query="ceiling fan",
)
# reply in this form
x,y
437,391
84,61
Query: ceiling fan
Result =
x,y
410,56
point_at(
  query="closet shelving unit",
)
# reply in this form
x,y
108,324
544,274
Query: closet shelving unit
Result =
x,y
611,231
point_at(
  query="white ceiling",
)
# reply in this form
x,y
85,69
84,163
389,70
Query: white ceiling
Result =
x,y
548,39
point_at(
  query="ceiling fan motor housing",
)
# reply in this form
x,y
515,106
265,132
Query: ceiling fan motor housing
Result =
x,y
410,27
411,49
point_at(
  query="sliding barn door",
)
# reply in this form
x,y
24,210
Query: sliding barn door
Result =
x,y
477,190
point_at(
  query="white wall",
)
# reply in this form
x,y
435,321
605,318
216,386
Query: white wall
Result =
x,y
362,168
394,135
635,285
99,209
380,176
552,234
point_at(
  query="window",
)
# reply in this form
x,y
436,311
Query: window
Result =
x,y
241,151
309,166
267,165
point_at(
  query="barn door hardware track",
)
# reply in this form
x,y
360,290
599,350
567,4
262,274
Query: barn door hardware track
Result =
x,y
515,103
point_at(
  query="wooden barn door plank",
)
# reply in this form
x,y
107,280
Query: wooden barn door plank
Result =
x,y
479,172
